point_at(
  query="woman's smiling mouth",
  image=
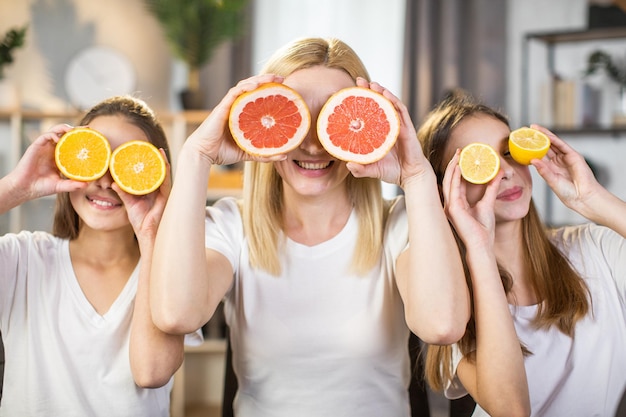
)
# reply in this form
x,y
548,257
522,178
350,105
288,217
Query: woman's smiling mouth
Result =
x,y
314,165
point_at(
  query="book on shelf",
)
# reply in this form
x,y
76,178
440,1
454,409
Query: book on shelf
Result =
x,y
570,104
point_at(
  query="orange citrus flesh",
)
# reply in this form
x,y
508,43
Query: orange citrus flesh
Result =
x,y
82,154
270,120
137,167
358,124
479,163
526,144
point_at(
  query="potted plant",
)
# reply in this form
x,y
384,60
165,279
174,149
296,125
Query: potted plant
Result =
x,y
12,40
616,71
194,29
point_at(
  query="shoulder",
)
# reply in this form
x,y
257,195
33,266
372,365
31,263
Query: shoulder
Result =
x,y
396,224
591,247
585,236
396,210
224,225
224,208
26,240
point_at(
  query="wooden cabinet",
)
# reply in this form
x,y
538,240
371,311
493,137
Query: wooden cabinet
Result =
x,y
199,383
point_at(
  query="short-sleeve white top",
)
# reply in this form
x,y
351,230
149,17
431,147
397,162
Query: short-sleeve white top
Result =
x,y
317,340
583,376
62,357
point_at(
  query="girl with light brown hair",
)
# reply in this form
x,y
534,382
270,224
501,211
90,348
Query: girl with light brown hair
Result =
x,y
74,314
548,329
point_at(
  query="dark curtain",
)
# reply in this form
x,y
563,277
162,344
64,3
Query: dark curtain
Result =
x,y
453,44
231,63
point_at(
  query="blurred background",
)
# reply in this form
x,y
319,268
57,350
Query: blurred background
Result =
x,y
559,63
505,52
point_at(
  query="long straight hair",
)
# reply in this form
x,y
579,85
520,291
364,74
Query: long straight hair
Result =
x,y
563,296
66,222
263,188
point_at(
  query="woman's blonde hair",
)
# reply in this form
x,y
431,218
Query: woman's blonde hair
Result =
x,y
66,222
263,189
563,295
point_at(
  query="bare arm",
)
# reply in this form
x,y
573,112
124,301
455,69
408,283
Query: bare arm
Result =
x,y
36,174
154,355
572,180
496,379
188,281
430,275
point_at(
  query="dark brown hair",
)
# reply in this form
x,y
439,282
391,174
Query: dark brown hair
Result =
x,y
563,295
66,221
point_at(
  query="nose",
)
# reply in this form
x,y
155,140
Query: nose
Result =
x,y
105,181
311,143
507,169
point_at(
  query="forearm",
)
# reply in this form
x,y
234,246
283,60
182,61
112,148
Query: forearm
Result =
x,y
436,294
10,195
180,287
501,385
154,355
608,210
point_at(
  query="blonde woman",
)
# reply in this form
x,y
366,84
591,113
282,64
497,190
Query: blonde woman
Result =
x,y
320,284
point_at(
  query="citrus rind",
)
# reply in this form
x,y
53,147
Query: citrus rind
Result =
x,y
354,110
270,120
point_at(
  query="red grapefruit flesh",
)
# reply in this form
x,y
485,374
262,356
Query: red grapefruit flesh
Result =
x,y
359,125
270,120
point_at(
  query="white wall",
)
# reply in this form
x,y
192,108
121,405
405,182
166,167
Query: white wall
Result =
x,y
373,28
59,29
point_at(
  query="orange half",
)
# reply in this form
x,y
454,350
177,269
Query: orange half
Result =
x,y
138,167
82,154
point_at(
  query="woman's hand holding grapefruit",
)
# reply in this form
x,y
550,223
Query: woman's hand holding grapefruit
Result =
x,y
405,160
213,140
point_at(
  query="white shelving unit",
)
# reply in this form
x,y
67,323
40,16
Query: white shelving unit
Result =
x,y
565,53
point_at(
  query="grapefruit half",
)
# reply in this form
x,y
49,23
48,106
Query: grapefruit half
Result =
x,y
270,120
357,124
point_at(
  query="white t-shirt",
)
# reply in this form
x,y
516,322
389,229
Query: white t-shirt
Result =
x,y
584,376
316,340
62,357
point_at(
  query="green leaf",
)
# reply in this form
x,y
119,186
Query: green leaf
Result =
x,y
600,60
11,41
194,28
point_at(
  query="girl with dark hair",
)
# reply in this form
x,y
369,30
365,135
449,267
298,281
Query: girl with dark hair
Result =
x,y
548,330
74,311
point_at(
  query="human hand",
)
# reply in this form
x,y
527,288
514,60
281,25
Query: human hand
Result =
x,y
36,174
144,212
212,139
475,225
406,159
567,173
